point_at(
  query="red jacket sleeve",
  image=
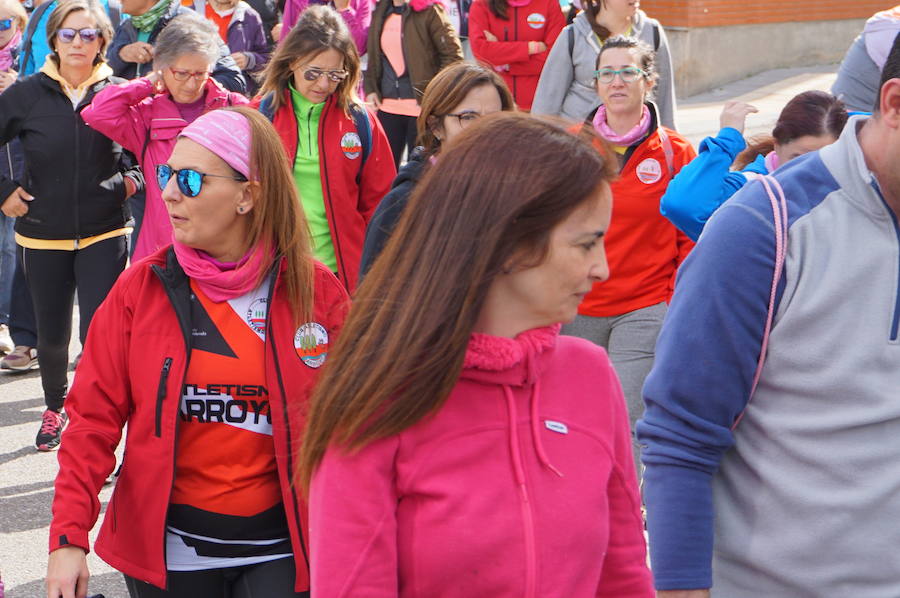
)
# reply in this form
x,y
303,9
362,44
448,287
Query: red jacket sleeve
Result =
x,y
498,53
98,406
553,27
116,113
625,572
378,172
353,523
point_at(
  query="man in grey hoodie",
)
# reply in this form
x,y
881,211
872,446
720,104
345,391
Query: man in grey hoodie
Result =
x,y
567,87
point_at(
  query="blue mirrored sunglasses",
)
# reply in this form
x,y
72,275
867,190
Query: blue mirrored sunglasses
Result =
x,y
189,181
5,24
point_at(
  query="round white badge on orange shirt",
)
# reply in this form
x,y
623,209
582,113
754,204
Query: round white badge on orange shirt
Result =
x,y
649,171
311,344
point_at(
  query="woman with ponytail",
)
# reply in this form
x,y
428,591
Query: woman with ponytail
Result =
x,y
207,350
809,121
455,433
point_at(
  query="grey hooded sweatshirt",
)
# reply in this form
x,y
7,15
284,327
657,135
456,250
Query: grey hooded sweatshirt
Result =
x,y
566,87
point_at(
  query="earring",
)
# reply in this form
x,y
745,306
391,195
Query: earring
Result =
x,y
241,210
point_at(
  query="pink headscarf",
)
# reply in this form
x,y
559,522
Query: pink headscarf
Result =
x,y
226,134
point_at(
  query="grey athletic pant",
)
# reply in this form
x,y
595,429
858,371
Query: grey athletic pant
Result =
x,y
630,340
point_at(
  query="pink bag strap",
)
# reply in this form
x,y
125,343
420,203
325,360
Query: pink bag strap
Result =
x,y
780,217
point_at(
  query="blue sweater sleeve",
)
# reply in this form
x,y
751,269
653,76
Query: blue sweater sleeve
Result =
x,y
706,358
703,185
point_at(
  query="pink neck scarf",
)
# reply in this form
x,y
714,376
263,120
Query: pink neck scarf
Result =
x,y
6,60
223,281
638,132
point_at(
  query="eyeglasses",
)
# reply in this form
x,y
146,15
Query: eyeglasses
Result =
x,y
629,74
5,24
466,118
190,181
313,74
87,35
182,75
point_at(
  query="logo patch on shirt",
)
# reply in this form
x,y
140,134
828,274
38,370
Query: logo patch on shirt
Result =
x,y
311,344
256,315
351,145
558,427
649,171
536,20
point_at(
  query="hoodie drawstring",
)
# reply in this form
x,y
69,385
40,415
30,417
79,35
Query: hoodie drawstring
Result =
x,y
514,451
536,431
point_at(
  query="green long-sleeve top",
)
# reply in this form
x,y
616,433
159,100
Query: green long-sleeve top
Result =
x,y
308,179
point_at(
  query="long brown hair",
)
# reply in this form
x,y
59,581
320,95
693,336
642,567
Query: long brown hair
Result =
x,y
811,112
319,28
492,199
276,218
447,89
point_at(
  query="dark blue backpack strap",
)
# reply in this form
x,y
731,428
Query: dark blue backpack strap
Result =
x,y
364,130
265,107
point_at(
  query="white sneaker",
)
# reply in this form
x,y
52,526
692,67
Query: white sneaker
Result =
x,y
6,343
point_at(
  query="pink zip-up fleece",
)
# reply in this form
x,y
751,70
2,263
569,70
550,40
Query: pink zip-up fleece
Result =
x,y
147,124
521,485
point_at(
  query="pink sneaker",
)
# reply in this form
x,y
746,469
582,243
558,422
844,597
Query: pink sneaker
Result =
x,y
52,426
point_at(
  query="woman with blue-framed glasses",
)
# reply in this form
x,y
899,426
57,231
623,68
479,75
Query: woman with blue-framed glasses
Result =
x,y
72,219
625,313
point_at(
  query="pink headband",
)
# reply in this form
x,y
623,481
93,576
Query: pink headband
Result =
x,y
226,134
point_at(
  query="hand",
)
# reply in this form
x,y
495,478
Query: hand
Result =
x,y
489,36
682,594
536,47
341,4
138,52
130,187
7,78
734,115
156,79
67,573
16,204
241,59
372,98
276,32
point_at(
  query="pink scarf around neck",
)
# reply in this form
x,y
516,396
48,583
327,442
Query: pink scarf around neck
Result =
x,y
223,281
638,132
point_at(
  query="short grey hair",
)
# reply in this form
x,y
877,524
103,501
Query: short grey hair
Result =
x,y
188,33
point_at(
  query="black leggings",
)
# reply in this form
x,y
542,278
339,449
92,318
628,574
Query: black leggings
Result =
x,y
274,579
53,277
401,133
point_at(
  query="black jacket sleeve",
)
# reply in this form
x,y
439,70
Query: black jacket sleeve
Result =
x,y
15,104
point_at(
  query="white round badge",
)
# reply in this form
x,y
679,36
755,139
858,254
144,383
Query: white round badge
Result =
x,y
351,145
649,171
536,20
311,344
256,315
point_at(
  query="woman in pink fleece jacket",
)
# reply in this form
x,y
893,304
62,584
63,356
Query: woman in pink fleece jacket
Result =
x,y
456,444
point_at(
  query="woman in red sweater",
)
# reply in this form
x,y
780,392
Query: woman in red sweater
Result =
x,y
625,313
457,445
514,37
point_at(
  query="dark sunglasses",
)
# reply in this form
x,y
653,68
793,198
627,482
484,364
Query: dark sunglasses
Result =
x,y
190,181
335,76
87,35
5,24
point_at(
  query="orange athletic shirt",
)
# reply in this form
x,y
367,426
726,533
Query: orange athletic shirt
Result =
x,y
219,21
643,248
225,460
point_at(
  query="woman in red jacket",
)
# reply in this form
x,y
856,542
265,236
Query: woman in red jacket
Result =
x,y
338,153
514,37
625,313
457,446
207,350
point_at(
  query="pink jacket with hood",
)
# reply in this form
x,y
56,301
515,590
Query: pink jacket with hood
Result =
x,y
357,15
522,485
147,124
